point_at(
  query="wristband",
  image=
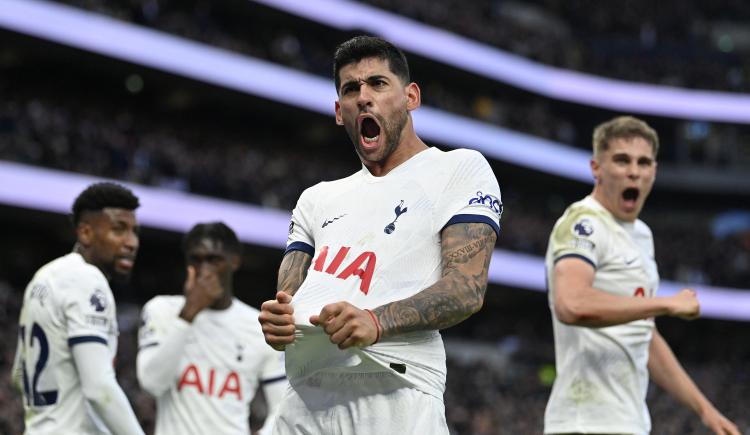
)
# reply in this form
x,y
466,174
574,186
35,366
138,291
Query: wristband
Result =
x,y
378,328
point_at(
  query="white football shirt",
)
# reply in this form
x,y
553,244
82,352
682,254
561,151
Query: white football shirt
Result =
x,y
67,302
602,374
224,360
376,240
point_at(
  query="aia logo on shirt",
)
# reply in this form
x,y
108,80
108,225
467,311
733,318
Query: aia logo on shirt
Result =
x,y
362,267
209,384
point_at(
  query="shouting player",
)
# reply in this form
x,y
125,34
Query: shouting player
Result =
x,y
68,325
201,355
602,281
378,262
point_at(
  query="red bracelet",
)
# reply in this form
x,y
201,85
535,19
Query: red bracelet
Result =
x,y
378,328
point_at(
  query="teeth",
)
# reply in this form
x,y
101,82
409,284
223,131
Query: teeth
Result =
x,y
371,139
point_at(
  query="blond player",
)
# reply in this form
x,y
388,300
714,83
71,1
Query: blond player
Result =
x,y
68,326
603,281
202,355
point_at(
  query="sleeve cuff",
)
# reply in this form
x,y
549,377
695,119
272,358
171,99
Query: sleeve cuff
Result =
x,y
473,219
579,256
300,246
72,341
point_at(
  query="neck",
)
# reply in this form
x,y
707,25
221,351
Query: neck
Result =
x,y
224,302
409,146
83,252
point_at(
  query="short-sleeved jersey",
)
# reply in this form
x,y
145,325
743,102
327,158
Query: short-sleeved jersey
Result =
x,y
66,303
375,240
602,374
224,361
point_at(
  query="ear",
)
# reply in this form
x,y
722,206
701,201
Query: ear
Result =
x,y
85,233
413,96
595,169
339,118
234,262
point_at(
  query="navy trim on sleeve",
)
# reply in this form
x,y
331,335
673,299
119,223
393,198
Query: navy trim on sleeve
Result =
x,y
148,345
272,380
300,246
587,260
86,339
473,219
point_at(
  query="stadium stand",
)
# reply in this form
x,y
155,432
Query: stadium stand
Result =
x,y
78,112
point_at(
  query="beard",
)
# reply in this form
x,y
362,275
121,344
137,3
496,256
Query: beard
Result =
x,y
392,130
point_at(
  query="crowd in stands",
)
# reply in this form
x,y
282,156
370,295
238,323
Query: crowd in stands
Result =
x,y
696,45
118,142
501,389
607,41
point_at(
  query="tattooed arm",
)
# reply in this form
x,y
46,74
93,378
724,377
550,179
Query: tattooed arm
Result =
x,y
459,293
293,271
277,315
466,251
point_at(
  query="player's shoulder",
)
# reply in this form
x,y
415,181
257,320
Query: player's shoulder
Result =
x,y
71,271
583,218
326,187
244,309
164,304
643,229
459,157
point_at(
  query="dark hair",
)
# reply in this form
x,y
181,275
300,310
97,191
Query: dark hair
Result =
x,y
217,231
363,47
103,195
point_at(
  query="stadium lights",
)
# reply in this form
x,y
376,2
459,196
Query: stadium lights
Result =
x,y
169,210
488,61
128,42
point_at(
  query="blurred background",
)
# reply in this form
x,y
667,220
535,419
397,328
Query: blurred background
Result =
x,y
223,110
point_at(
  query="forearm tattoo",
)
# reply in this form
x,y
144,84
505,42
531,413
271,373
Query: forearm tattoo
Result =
x,y
293,271
466,251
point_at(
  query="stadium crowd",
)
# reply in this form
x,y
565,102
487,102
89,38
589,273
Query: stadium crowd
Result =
x,y
668,41
499,389
100,139
607,42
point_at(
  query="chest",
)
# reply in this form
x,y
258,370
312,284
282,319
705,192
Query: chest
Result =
x,y
628,267
379,216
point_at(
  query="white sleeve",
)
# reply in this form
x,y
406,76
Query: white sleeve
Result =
x,y
94,364
579,234
301,236
471,195
273,380
161,343
90,312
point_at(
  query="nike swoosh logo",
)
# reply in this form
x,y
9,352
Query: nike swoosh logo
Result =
x,y
629,262
325,224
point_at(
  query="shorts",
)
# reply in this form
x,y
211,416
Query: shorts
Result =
x,y
359,404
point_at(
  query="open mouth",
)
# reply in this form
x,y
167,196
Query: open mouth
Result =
x,y
630,194
369,131
125,262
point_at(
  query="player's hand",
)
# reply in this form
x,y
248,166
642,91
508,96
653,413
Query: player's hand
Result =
x,y
718,424
202,289
347,325
277,321
685,304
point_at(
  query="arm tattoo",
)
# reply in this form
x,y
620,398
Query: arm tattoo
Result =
x,y
466,252
293,271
